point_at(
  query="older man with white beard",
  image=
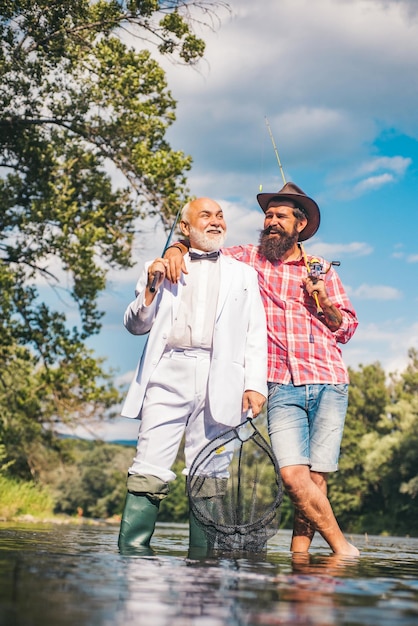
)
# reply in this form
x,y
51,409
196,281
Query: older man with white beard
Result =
x,y
204,366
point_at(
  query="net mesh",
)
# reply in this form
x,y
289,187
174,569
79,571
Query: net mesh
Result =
x,y
235,490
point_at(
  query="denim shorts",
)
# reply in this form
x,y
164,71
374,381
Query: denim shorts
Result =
x,y
306,424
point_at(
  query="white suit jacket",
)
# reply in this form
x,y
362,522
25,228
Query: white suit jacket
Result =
x,y
239,350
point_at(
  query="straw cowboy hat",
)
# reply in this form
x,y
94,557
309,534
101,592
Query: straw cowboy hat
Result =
x,y
292,192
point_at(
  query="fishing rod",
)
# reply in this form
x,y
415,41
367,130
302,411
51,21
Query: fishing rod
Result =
x,y
157,274
276,152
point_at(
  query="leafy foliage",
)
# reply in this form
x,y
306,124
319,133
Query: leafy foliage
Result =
x,y
368,397
24,498
377,487
92,480
80,109
84,109
175,507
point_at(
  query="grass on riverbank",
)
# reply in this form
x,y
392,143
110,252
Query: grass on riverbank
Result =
x,y
19,498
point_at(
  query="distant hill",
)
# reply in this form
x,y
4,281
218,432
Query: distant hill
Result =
x,y
118,442
124,442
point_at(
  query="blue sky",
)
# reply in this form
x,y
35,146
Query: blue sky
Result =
x,y
338,83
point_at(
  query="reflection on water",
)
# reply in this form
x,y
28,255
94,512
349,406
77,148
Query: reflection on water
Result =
x,y
57,575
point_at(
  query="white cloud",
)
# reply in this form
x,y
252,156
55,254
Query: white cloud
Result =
x,y
328,92
243,224
125,379
370,184
386,170
396,164
400,253
387,343
376,292
333,250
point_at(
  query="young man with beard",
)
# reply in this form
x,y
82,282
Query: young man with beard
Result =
x,y
307,379
203,367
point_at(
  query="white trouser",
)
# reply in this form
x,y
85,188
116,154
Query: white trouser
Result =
x,y
175,401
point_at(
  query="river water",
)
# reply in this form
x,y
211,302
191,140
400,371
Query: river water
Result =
x,y
53,575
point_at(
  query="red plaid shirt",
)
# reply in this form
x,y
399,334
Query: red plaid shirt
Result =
x,y
301,349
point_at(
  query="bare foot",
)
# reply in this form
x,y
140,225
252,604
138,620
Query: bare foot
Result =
x,y
349,550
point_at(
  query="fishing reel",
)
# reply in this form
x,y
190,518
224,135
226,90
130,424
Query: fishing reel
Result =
x,y
315,271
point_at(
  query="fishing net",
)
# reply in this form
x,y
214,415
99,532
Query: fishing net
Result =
x,y
235,490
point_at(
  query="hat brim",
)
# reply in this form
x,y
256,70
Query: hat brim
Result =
x,y
308,205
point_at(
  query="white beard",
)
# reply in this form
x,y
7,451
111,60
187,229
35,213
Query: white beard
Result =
x,y
205,241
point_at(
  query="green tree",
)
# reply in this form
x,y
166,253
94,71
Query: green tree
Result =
x,y
390,453
405,385
91,480
175,508
376,488
83,156
368,396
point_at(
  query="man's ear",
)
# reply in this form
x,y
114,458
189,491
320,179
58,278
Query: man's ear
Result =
x,y
301,224
184,227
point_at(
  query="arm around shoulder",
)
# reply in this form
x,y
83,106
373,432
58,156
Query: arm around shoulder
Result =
x,y
176,265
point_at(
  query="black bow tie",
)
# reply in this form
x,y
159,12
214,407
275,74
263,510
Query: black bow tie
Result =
x,y
205,256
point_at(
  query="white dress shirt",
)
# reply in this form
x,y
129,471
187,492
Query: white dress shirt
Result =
x,y
195,320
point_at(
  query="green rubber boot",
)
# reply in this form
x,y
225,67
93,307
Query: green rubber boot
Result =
x,y
138,522
211,493
197,536
199,544
142,503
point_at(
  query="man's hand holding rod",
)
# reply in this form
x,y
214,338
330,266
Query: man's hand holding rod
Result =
x,y
156,275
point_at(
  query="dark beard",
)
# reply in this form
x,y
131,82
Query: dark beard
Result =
x,y
274,248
